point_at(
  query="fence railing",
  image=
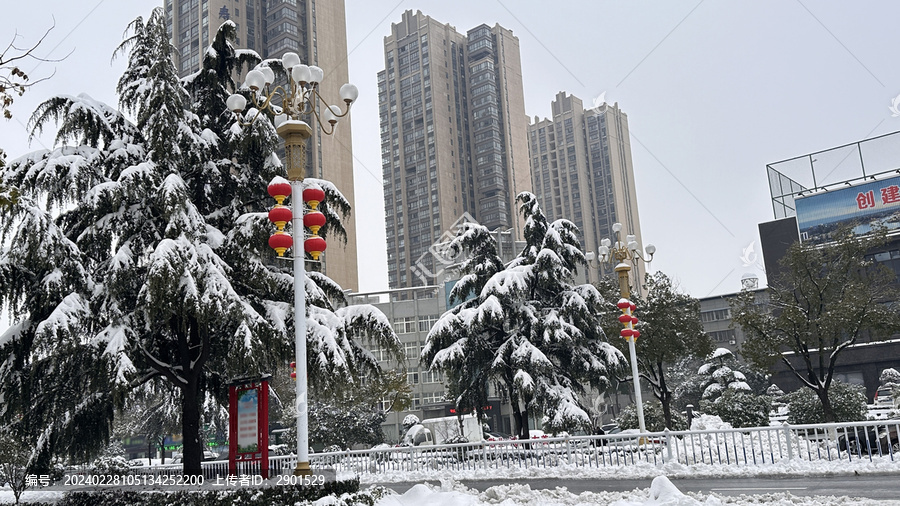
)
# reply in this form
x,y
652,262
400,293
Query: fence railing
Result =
x,y
871,440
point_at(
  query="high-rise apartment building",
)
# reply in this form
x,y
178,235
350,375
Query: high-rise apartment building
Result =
x,y
581,171
453,139
314,29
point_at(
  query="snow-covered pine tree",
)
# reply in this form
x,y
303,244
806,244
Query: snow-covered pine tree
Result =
x,y
542,331
465,357
139,254
721,372
728,394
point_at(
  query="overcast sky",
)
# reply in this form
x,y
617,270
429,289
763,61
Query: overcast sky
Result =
x,y
713,90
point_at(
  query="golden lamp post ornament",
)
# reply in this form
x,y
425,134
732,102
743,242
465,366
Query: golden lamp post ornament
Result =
x,y
621,253
628,319
280,215
299,99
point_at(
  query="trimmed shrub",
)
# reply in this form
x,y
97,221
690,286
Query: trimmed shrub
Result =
x,y
848,402
653,418
740,409
346,492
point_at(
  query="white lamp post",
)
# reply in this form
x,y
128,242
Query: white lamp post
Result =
x,y
622,253
299,96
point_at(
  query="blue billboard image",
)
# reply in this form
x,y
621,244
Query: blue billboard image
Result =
x,y
860,207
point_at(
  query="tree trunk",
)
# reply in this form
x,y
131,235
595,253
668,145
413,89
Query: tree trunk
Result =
x,y
827,408
520,415
192,451
149,450
192,365
518,419
667,410
665,397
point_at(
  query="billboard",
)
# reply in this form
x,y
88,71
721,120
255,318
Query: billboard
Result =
x,y
248,424
860,207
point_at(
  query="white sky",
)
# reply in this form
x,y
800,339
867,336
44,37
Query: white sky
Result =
x,y
713,91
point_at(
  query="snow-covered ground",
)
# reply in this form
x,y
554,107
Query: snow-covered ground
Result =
x,y
646,470
661,493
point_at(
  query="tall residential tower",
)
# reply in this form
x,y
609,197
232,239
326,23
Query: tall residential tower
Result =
x,y
453,139
314,29
582,171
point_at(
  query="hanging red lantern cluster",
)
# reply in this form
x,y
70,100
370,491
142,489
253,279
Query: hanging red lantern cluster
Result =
x,y
314,220
280,241
628,319
280,215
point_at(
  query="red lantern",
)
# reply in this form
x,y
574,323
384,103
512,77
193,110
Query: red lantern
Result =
x,y
314,220
315,245
279,190
634,320
313,196
626,333
280,215
633,307
623,304
280,242
635,334
625,319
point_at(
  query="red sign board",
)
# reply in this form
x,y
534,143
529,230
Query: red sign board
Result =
x,y
248,424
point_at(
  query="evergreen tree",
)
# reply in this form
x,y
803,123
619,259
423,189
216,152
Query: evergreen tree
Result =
x,y
467,372
528,328
138,256
721,374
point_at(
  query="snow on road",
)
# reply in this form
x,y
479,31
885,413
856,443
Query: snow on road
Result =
x,y
661,493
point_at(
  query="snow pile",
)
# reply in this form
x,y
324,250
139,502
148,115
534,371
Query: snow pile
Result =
x,y
709,422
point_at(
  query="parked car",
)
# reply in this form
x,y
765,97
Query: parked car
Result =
x,y
493,435
874,440
603,430
207,456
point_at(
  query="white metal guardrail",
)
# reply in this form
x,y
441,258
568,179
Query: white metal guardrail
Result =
x,y
854,441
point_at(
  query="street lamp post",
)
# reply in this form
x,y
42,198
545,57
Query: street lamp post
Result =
x,y
299,97
622,253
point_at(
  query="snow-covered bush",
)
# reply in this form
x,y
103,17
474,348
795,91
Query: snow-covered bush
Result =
x,y
344,426
654,419
890,377
106,465
740,409
332,493
409,421
848,402
775,392
709,422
